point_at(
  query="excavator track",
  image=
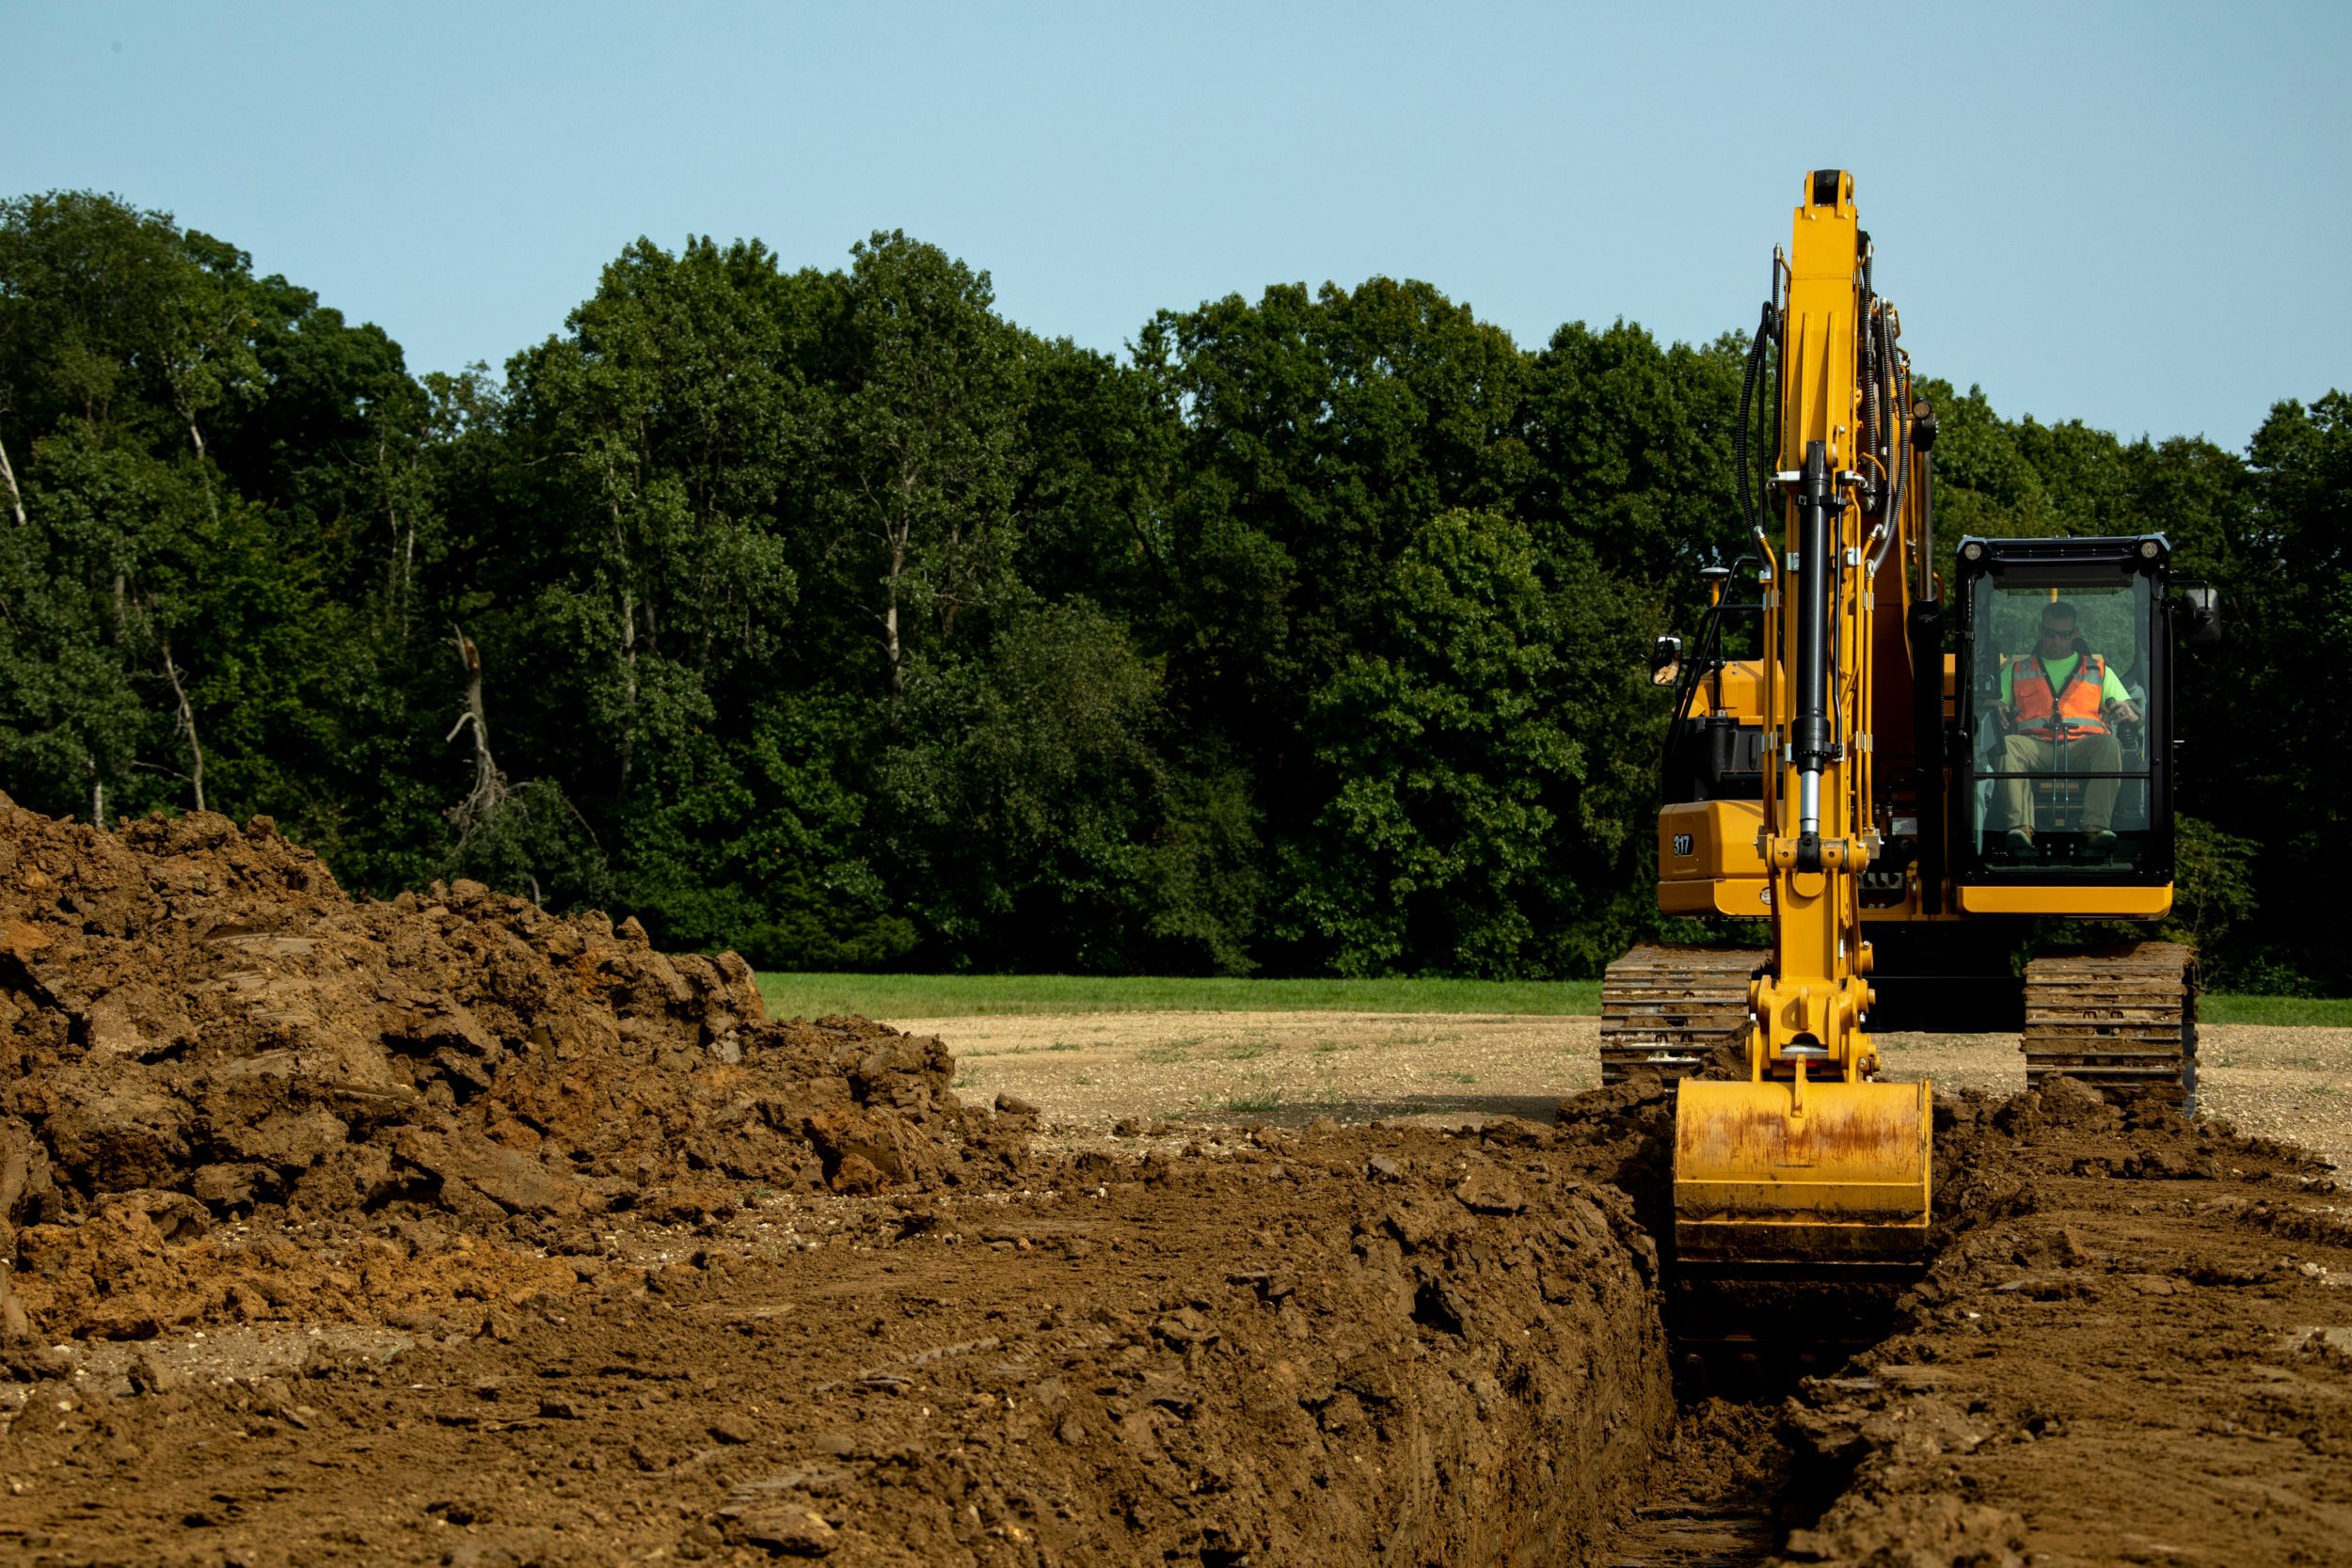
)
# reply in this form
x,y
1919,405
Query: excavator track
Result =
x,y
1663,1008
2124,1018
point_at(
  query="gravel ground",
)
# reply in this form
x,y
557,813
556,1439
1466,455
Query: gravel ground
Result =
x,y
1089,1071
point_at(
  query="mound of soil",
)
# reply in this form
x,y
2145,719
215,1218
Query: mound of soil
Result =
x,y
2132,1349
198,1026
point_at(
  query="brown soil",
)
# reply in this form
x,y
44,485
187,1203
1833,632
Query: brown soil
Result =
x,y
1166,1364
2137,1349
447,1231
196,1025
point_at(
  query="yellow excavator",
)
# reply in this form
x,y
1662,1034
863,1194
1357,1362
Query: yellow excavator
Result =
x,y
1895,809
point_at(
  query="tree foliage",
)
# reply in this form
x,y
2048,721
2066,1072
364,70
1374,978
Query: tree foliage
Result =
x,y
831,615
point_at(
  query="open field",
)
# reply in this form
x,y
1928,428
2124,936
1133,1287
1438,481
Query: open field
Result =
x,y
1091,1071
1092,1053
986,996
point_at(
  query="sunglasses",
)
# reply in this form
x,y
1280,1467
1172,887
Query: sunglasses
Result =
x,y
2051,631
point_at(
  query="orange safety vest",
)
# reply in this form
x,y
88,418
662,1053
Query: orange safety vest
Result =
x,y
2077,705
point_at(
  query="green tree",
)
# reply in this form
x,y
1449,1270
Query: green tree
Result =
x,y
1632,451
2276,779
1454,773
919,452
1036,821
167,637
653,445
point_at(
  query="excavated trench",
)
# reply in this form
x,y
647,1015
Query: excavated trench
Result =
x,y
330,1220
1727,1489
1724,1487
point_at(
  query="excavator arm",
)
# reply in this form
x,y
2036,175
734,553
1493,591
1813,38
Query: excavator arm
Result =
x,y
1810,1160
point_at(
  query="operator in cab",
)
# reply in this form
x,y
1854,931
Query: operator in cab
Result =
x,y
2061,705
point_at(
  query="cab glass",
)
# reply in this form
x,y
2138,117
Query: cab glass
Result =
x,y
2059,709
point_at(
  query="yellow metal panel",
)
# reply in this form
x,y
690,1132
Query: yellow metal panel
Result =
x,y
2130,903
1765,1173
1739,895
1707,839
1738,694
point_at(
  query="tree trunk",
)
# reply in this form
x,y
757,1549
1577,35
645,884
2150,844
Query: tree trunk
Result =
x,y
890,649
629,683
896,531
947,600
628,638
489,784
203,470
391,522
187,724
16,497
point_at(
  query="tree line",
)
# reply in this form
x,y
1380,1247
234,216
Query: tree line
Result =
x,y
834,617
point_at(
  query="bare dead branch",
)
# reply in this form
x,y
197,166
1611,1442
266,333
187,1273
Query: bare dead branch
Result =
x,y
489,784
187,719
16,497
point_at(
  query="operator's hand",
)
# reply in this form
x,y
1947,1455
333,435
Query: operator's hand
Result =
x,y
2123,713
2009,716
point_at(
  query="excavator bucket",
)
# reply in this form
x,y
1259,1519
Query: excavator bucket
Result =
x,y
1836,1178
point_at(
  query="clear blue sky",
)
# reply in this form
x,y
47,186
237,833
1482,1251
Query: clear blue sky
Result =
x,y
2133,214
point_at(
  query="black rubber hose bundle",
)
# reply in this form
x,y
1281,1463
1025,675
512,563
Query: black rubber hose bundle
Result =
x,y
1898,424
1872,426
1751,505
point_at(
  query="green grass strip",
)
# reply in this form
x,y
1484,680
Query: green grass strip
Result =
x,y
2334,1012
889,996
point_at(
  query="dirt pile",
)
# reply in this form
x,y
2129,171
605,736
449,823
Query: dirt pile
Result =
x,y
196,1025
2129,1350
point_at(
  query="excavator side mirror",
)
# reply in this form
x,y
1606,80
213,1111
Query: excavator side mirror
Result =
x,y
2200,608
1665,661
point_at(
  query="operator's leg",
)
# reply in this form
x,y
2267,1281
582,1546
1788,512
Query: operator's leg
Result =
x,y
2096,754
2022,754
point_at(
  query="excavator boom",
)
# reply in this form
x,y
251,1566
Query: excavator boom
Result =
x,y
1810,1160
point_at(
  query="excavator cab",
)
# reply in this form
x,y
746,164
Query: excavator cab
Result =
x,y
2063,775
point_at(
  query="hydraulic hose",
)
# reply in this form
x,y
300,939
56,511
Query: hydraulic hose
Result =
x,y
1898,443
1897,427
1751,506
